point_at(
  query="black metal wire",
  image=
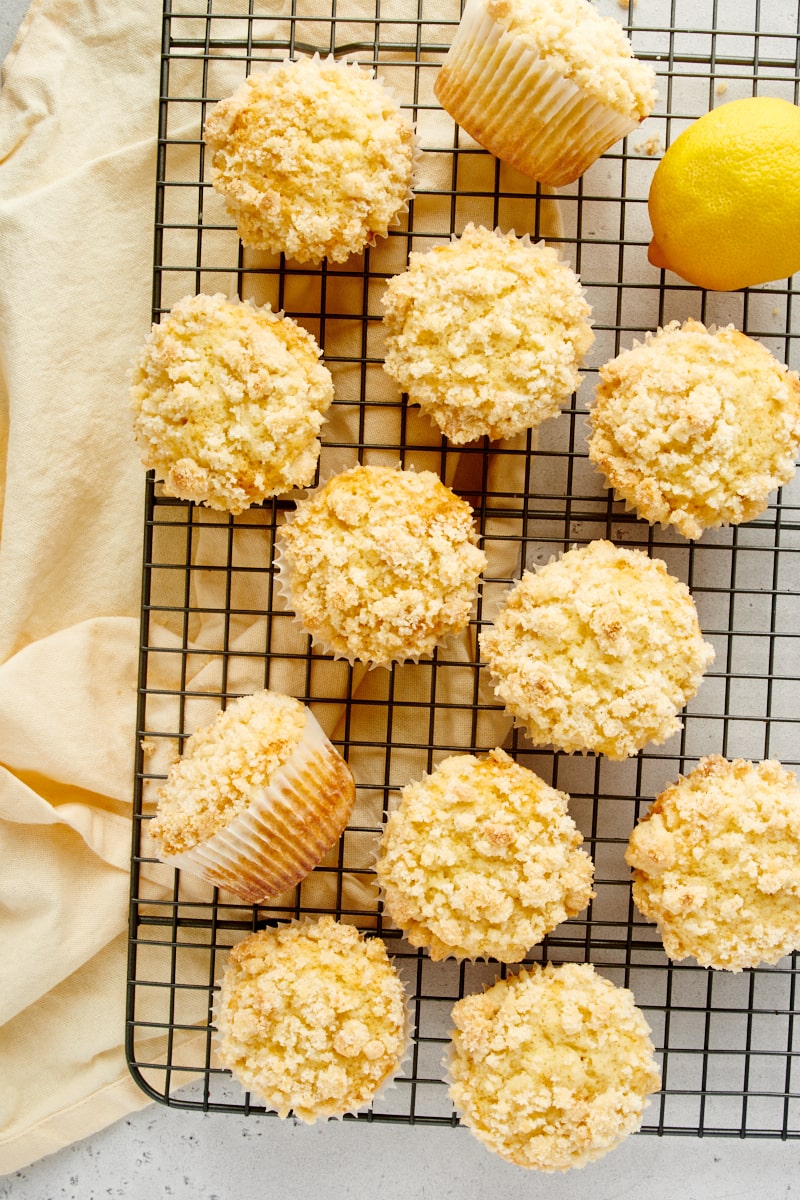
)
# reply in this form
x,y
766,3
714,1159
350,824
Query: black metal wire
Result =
x,y
728,1043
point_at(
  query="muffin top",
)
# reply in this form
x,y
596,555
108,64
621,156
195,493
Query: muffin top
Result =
x,y
481,860
228,400
313,158
551,1067
311,1018
223,766
486,333
716,864
598,650
380,564
694,427
584,46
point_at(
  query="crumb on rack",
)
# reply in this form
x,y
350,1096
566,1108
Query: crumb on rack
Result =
x,y
650,146
720,88
148,747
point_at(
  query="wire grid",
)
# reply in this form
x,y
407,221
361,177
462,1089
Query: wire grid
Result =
x,y
213,626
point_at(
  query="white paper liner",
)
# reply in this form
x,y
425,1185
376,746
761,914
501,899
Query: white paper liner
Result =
x,y
518,107
284,833
386,1084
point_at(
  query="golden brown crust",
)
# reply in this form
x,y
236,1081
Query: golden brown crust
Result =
x,y
486,333
311,1018
381,564
551,1067
313,158
481,859
694,428
717,864
228,400
598,650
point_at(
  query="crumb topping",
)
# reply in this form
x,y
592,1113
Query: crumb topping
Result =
x,y
551,1067
228,400
313,158
223,766
586,47
311,1018
694,428
598,650
381,564
481,859
716,864
486,333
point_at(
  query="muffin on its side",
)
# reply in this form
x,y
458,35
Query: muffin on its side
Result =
x,y
311,1018
695,427
313,158
716,864
481,859
551,1068
257,799
380,564
545,85
598,650
486,333
228,400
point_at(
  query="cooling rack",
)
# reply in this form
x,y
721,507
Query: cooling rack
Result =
x,y
214,626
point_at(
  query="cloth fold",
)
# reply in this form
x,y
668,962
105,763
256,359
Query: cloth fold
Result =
x,y
78,119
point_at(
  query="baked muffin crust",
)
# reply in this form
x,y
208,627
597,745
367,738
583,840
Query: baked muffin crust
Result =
x,y
481,859
598,650
486,333
695,427
313,158
551,1067
311,1018
716,863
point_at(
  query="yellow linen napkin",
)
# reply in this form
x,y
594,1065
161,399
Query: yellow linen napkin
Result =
x,y
78,110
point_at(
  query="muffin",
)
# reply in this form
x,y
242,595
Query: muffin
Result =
x,y
486,334
551,1067
545,85
695,427
313,158
380,564
228,400
716,864
481,860
311,1018
598,650
257,799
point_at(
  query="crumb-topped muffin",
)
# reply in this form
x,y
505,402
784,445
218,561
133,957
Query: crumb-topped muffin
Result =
x,y
381,564
228,400
486,333
256,800
598,650
716,864
695,427
551,1067
313,158
311,1018
481,860
546,85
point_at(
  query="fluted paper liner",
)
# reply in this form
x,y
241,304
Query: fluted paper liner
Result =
x,y
518,107
284,833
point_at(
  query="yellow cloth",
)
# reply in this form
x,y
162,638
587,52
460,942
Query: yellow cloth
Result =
x,y
78,111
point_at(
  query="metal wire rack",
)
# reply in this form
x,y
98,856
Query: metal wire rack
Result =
x,y
213,627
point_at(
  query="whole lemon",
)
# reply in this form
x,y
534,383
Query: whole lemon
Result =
x,y
724,202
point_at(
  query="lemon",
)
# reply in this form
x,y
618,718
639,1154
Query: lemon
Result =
x,y
724,202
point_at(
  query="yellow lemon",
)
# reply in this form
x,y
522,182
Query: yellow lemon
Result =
x,y
725,199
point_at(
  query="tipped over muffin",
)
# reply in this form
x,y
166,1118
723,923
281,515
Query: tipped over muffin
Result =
x,y
486,333
256,800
